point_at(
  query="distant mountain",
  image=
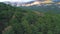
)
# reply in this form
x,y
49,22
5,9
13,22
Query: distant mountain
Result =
x,y
56,0
52,7
32,3
37,3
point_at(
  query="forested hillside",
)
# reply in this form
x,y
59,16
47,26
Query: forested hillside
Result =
x,y
53,8
14,20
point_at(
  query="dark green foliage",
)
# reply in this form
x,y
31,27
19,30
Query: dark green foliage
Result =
x,y
14,20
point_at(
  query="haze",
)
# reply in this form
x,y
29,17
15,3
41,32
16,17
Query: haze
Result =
x,y
16,0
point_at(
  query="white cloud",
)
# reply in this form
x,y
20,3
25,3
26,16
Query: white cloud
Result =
x,y
15,0
8,0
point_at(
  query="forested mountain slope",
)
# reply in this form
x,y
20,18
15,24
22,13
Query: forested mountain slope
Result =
x,y
14,20
52,8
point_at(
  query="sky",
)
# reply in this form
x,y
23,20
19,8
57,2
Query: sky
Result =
x,y
16,0
21,0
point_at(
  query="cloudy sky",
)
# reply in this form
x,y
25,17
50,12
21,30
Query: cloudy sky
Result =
x,y
16,0
21,0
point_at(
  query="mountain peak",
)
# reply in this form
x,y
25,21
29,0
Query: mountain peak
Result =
x,y
38,2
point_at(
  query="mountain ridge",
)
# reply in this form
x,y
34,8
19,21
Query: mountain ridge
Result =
x,y
31,3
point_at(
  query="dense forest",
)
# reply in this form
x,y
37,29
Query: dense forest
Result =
x,y
15,20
